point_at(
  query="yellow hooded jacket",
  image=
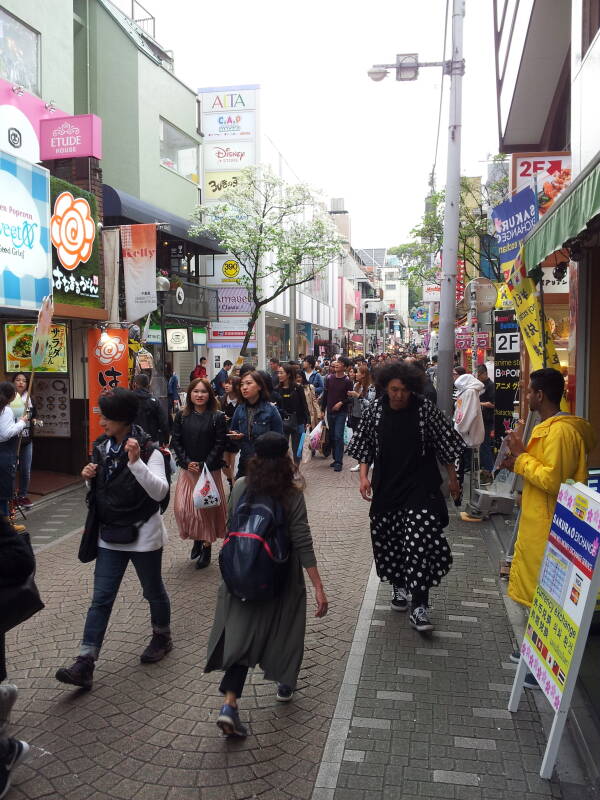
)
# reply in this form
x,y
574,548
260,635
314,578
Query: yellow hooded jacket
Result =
x,y
557,450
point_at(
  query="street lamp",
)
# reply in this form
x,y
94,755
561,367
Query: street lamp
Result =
x,y
407,68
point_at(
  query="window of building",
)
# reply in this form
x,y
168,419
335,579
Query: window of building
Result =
x,y
390,287
19,53
590,23
178,151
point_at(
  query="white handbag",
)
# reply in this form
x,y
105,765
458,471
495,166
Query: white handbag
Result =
x,y
206,494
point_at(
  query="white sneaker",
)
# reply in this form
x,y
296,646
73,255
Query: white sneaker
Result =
x,y
355,469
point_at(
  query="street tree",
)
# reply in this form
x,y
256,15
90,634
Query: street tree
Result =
x,y
475,239
279,233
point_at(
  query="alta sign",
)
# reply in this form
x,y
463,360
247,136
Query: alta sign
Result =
x,y
71,137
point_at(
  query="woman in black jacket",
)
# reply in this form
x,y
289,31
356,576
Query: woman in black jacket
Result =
x,y
293,406
199,438
16,564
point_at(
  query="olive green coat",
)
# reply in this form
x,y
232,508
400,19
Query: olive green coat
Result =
x,y
271,633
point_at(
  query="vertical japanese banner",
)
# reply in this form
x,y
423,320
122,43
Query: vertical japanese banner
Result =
x,y
107,369
138,243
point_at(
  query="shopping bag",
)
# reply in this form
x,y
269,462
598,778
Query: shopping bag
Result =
x,y
306,450
206,494
301,445
347,435
315,436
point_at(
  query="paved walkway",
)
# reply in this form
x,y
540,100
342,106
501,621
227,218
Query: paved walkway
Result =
x,y
381,712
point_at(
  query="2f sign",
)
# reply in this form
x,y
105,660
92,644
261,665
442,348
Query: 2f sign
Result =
x,y
508,342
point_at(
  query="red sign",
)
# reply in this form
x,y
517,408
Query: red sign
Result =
x,y
71,137
108,355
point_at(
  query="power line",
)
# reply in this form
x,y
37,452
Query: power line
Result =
x,y
439,122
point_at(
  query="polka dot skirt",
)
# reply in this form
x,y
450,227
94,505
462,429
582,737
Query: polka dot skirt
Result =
x,y
410,548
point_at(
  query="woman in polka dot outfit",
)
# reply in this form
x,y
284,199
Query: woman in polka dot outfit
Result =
x,y
404,436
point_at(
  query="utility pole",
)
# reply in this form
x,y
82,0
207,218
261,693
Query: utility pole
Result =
x,y
446,341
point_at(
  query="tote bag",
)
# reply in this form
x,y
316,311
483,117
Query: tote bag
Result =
x,y
206,495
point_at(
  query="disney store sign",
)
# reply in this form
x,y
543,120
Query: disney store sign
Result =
x,y
71,137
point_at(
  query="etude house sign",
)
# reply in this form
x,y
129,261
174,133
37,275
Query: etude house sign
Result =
x,y
71,137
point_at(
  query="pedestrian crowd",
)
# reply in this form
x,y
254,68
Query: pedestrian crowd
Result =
x,y
238,443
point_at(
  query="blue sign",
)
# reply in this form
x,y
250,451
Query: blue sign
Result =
x,y
513,220
25,250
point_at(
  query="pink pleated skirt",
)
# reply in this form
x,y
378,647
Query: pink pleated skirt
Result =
x,y
208,524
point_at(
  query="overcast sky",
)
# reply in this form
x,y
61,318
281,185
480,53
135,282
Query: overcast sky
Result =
x,y
370,143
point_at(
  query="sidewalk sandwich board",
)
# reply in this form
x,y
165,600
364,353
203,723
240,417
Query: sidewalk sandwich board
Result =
x,y
562,608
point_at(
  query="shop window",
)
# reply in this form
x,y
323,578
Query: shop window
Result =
x,y
178,151
390,287
19,53
590,23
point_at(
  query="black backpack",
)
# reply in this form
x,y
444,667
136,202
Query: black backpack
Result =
x,y
254,559
148,416
166,454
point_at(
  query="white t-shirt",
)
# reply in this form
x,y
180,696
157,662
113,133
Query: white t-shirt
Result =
x,y
8,427
151,477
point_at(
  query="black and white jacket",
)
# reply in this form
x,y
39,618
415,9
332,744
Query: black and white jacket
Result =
x,y
436,431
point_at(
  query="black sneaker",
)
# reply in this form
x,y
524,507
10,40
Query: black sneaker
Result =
x,y
419,619
399,600
337,468
284,693
515,657
204,559
530,682
18,752
229,721
333,463
160,645
81,673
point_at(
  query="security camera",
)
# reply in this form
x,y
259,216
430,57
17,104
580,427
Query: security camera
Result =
x,y
377,73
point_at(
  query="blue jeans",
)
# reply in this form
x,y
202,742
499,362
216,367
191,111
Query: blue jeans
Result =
x,y
24,468
486,454
109,571
337,423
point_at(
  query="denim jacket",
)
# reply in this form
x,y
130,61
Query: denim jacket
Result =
x,y
266,418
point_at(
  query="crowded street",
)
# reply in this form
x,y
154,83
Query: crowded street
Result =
x,y
380,712
299,401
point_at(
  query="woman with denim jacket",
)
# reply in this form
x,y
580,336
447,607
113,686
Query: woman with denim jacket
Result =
x,y
254,416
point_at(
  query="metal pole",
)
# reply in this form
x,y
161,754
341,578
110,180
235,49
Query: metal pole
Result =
x,y
292,292
451,216
474,325
365,329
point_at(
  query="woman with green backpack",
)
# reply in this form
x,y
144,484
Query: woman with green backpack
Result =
x,y
266,627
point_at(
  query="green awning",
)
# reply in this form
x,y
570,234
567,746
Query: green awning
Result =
x,y
567,218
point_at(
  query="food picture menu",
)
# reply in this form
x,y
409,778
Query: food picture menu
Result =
x,y
52,404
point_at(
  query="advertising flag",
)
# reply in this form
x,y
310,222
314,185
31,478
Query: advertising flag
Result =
x,y
513,220
107,368
138,244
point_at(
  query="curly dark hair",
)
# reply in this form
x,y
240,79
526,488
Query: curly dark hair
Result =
x,y
412,377
276,477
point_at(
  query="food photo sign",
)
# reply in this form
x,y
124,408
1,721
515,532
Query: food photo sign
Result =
x,y
562,607
18,340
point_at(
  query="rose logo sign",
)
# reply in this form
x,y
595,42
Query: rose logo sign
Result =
x,y
72,230
109,349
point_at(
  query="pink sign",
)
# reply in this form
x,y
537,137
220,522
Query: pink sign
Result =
x,y
20,117
71,137
464,340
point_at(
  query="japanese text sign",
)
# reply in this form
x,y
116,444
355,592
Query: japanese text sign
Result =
x,y
18,341
463,341
564,601
107,368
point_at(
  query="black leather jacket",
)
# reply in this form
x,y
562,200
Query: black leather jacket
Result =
x,y
199,437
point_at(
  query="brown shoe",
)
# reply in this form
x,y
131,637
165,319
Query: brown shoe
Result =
x,y
81,673
160,645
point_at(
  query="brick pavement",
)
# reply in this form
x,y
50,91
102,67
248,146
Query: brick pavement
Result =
x,y
425,715
147,732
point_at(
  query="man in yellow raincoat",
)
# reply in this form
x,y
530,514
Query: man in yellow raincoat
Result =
x,y
557,450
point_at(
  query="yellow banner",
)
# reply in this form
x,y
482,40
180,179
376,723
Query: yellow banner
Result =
x,y
521,289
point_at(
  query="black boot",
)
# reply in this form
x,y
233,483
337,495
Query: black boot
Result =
x,y
160,645
196,549
204,559
81,673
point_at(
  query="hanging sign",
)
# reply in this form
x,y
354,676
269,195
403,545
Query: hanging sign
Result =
x,y
107,368
562,608
138,243
507,371
513,220
18,340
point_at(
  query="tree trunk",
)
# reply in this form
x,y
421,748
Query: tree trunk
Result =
x,y
251,324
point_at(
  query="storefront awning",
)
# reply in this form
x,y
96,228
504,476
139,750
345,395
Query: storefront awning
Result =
x,y
118,204
567,218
